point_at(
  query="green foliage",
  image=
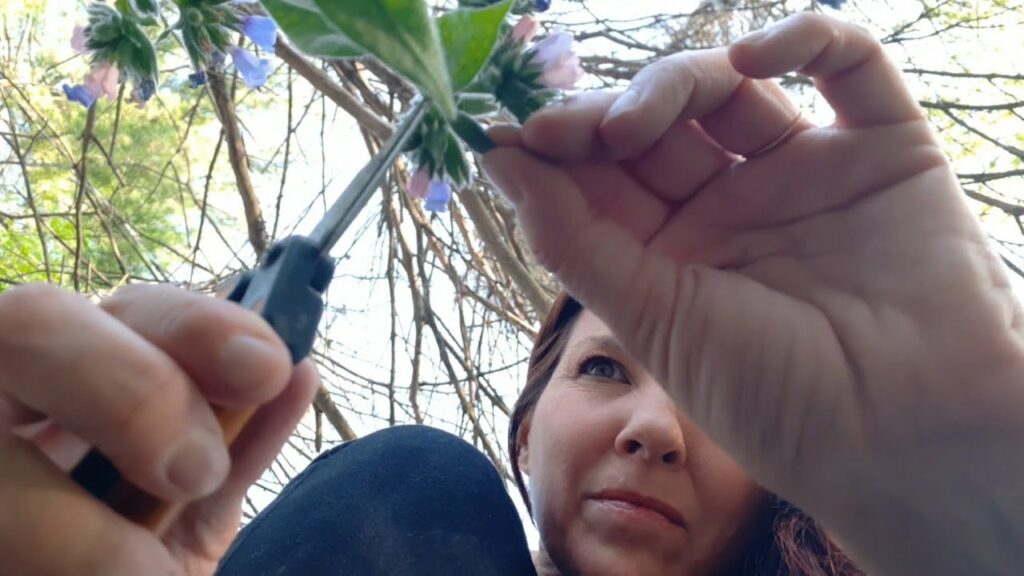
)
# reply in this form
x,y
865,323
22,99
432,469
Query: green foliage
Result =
x,y
310,30
145,10
455,165
468,37
206,27
137,179
514,81
119,39
400,33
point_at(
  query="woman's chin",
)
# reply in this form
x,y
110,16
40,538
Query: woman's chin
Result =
x,y
611,549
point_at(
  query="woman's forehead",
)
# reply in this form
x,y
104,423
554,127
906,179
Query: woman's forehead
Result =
x,y
588,326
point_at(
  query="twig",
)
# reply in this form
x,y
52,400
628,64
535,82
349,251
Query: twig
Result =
x,y
325,404
539,300
239,161
339,96
90,121
29,196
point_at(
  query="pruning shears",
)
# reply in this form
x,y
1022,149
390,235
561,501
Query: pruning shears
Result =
x,y
287,291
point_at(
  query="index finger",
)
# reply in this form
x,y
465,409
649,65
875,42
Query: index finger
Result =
x,y
742,115
849,67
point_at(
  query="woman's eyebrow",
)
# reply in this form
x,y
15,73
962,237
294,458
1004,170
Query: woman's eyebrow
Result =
x,y
601,342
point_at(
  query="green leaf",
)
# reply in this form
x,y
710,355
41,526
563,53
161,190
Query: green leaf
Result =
x,y
139,59
401,34
472,133
311,31
145,11
104,26
455,161
468,37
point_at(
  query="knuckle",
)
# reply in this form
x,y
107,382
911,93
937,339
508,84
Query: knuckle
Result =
x,y
124,298
33,309
809,18
135,297
160,387
659,72
667,69
196,319
210,323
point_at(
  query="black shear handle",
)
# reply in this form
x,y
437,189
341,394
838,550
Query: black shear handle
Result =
x,y
287,291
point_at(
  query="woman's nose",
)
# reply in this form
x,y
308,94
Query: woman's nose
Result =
x,y
653,432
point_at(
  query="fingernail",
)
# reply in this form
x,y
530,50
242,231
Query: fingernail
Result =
x,y
199,464
627,101
245,360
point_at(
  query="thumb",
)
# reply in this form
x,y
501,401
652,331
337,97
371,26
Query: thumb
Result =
x,y
597,260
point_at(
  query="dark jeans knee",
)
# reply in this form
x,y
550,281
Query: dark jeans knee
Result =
x,y
404,500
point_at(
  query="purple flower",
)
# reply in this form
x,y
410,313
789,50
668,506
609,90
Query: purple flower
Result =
x,y
541,5
419,184
197,78
254,70
261,30
144,91
559,63
438,196
837,4
80,94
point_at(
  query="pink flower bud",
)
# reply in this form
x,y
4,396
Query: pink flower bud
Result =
x,y
102,80
419,184
78,40
552,47
560,66
564,73
525,29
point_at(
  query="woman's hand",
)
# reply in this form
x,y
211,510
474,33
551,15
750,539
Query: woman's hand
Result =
x,y
818,298
133,377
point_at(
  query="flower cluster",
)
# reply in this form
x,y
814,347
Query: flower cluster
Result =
x,y
206,32
120,51
554,55
254,71
522,75
525,75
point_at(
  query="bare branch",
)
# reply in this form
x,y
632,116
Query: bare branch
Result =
x,y
239,161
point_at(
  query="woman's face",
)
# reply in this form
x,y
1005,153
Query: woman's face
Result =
x,y
621,482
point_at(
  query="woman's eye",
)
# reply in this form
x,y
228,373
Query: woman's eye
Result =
x,y
603,367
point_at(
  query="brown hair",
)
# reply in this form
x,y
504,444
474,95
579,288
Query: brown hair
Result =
x,y
784,542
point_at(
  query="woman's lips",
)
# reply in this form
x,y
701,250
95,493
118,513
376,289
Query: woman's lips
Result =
x,y
638,506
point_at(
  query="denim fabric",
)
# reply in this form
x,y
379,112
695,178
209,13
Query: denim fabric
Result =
x,y
408,500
